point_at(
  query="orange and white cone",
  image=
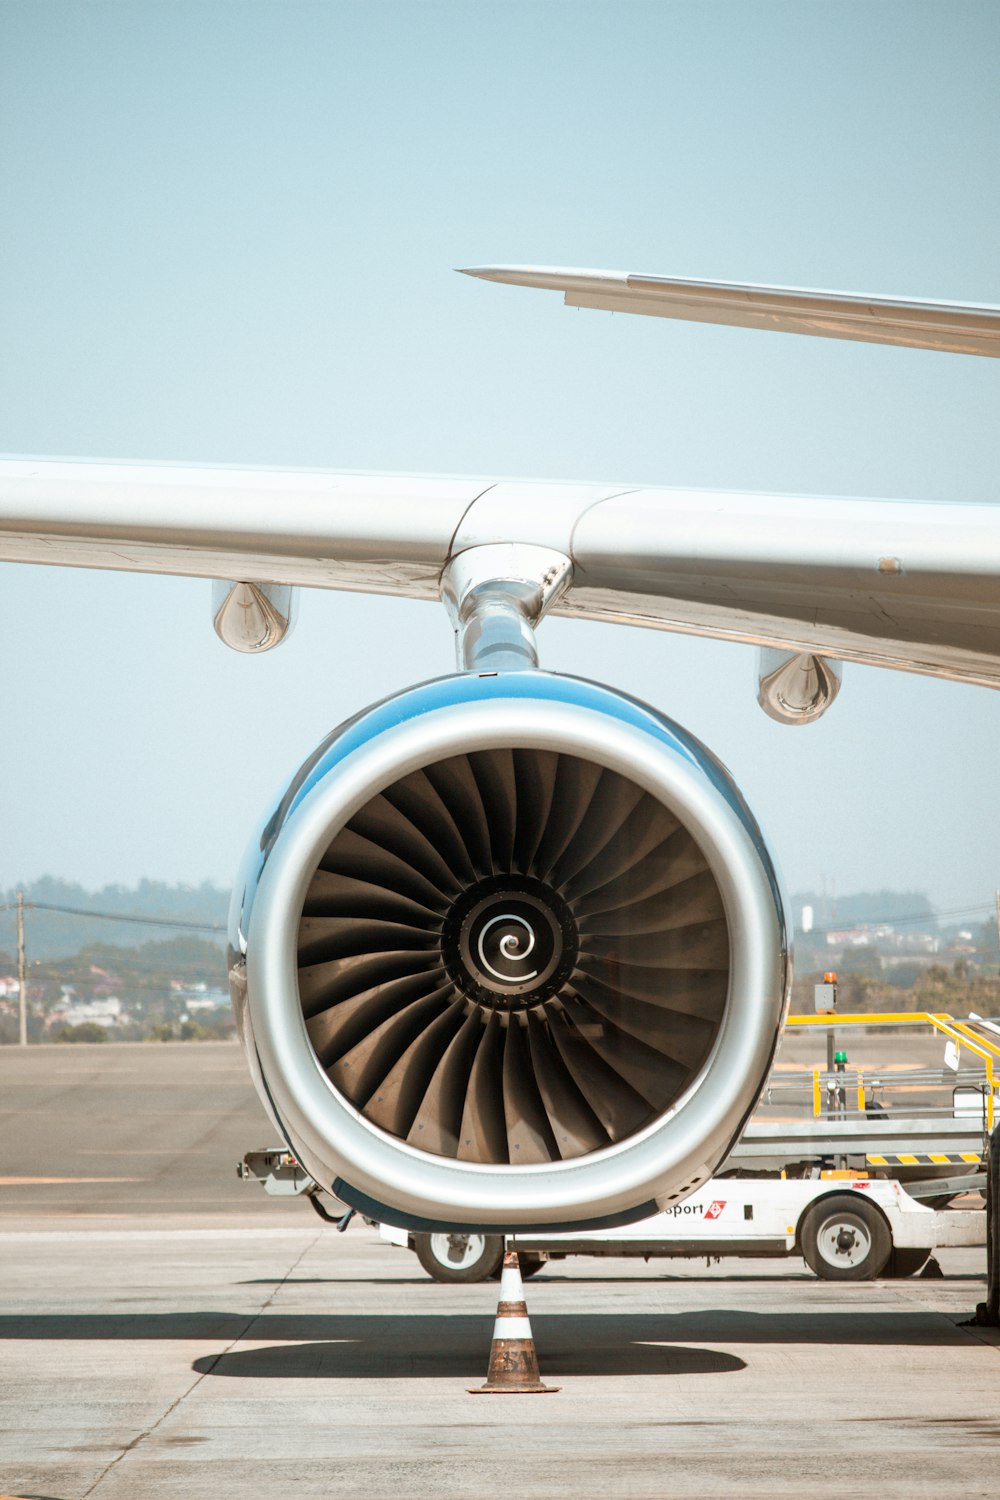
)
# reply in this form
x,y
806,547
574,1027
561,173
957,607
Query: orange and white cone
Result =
x,y
513,1367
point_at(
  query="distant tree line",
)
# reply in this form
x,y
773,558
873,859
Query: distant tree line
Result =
x,y
52,935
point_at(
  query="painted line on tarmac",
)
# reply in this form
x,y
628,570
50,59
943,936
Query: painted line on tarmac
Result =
x,y
114,1235
60,1182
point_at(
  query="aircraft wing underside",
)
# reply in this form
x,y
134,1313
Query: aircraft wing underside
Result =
x,y
910,585
949,327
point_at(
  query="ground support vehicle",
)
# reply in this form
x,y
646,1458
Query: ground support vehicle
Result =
x,y
846,1228
933,1158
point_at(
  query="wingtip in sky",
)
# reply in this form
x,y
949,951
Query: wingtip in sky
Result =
x,y
956,328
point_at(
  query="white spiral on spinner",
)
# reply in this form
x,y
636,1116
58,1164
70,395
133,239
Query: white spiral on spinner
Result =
x,y
509,947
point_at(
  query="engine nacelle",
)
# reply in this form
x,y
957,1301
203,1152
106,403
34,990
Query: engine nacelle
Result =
x,y
510,952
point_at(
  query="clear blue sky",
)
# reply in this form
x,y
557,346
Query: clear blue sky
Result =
x,y
228,232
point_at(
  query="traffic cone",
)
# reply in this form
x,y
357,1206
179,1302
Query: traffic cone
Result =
x,y
513,1367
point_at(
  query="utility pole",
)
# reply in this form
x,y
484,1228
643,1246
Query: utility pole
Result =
x,y
998,916
22,983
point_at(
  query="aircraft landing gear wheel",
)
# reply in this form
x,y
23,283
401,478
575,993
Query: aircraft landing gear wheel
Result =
x,y
843,1238
459,1257
906,1261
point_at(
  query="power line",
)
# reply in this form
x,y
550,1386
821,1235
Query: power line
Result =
x,y
862,924
131,917
114,916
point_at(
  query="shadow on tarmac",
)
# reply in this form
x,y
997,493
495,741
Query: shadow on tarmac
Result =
x,y
344,1346
568,1279
462,1357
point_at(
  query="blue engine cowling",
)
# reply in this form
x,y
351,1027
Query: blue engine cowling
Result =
x,y
509,952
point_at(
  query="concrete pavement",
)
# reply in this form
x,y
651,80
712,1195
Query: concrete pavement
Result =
x,y
97,1132
179,1335
232,1363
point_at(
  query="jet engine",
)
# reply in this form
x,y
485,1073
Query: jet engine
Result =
x,y
509,952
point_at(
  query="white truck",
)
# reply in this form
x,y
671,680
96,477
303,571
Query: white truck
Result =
x,y
847,1226
847,1229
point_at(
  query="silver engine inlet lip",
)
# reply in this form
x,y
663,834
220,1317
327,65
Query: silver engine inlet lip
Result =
x,y
663,1160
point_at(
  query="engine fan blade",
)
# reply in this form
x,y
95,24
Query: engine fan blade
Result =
x,y
620,1109
535,780
576,783
701,945
647,826
382,824
359,1072
614,799
648,1072
417,799
686,1039
322,986
690,902
339,1027
437,1122
455,784
696,992
484,1130
494,774
351,854
575,1127
397,1102
677,858
322,939
346,896
529,1134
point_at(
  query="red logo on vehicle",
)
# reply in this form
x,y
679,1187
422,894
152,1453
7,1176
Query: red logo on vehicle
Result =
x,y
714,1209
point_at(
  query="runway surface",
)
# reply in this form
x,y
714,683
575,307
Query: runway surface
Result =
x,y
179,1335
93,1133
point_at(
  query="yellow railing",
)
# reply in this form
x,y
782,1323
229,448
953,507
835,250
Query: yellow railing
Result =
x,y
960,1032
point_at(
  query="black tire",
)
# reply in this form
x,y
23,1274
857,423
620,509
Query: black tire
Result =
x,y
845,1238
459,1257
905,1261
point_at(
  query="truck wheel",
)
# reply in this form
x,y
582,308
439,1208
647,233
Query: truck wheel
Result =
x,y
843,1238
459,1257
906,1261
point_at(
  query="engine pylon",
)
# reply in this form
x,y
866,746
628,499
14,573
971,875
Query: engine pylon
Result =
x,y
513,1369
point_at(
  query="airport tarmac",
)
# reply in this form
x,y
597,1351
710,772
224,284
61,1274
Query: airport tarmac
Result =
x,y
180,1335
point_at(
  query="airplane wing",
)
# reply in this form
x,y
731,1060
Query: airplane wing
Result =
x,y
902,584
948,327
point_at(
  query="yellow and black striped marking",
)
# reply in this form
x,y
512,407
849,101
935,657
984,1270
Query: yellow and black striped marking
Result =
x,y
925,1159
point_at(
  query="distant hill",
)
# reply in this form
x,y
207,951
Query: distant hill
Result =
x,y
55,934
859,908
